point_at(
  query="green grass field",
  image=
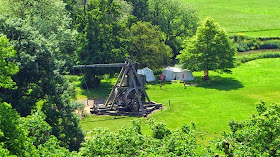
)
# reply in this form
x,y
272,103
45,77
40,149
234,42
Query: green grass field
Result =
x,y
210,105
252,17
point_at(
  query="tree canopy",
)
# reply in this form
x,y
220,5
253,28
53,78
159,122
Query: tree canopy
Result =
x,y
147,44
7,66
209,49
140,9
100,37
177,19
42,52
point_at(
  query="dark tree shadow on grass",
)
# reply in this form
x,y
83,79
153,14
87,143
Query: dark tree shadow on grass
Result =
x,y
102,91
221,83
108,118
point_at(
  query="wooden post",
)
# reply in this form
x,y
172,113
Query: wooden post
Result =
x,y
137,92
114,87
146,95
118,89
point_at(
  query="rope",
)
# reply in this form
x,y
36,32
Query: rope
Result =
x,y
81,73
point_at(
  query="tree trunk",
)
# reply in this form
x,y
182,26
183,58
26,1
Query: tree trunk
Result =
x,y
84,4
206,77
206,72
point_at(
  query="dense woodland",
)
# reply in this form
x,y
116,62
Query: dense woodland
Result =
x,y
42,39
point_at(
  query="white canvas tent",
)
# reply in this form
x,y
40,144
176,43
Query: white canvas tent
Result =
x,y
173,73
187,75
150,77
169,73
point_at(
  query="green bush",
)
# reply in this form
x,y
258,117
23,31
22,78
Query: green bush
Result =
x,y
129,141
159,130
250,57
241,42
270,44
244,43
257,136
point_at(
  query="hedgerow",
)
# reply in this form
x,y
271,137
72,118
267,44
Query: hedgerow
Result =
x,y
250,57
130,141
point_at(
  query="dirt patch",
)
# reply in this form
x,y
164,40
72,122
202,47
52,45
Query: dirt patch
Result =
x,y
89,103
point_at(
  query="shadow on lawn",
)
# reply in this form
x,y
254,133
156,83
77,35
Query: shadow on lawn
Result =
x,y
221,83
100,92
109,118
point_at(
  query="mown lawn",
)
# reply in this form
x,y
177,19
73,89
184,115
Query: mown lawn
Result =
x,y
210,105
252,17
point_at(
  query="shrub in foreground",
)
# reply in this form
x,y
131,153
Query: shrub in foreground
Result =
x,y
257,136
130,141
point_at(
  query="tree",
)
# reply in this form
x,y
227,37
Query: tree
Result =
x,y
38,129
41,37
257,136
12,135
52,21
140,9
209,49
176,19
101,38
147,44
52,148
28,136
7,67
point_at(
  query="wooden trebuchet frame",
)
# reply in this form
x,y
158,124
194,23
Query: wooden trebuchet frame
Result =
x,y
129,89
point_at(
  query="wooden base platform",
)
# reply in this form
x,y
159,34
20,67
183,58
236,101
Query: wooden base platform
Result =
x,y
100,109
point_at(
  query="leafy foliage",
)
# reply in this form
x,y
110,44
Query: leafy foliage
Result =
x,y
100,36
176,19
13,136
41,51
146,44
245,43
209,49
243,58
7,66
52,21
159,130
129,141
140,9
257,136
53,149
27,136
38,129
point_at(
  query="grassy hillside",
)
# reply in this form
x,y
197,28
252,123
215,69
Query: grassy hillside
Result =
x,y
252,17
210,104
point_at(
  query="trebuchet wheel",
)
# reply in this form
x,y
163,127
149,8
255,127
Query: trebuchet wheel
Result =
x,y
131,99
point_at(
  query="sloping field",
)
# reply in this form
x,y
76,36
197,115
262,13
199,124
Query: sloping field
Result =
x,y
210,105
251,17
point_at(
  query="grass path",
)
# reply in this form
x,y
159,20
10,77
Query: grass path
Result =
x,y
210,105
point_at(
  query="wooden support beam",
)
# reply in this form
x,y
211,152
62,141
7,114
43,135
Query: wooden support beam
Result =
x,y
137,90
114,87
122,79
146,95
101,65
